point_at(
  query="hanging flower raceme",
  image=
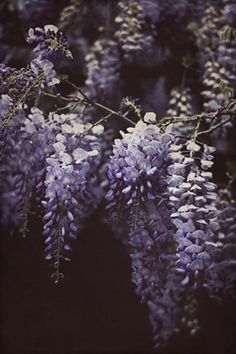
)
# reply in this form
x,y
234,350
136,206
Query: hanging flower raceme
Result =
x,y
103,68
22,136
214,77
73,13
135,165
219,62
227,60
220,277
27,144
137,193
15,168
180,105
226,51
55,159
69,184
219,70
192,197
41,134
165,309
216,94
132,35
25,140
208,34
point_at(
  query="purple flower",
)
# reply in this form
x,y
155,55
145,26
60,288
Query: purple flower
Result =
x,y
192,198
220,276
137,180
69,185
132,35
103,68
50,42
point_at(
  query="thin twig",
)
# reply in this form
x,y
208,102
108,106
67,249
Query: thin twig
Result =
x,y
225,110
99,105
214,127
59,96
117,114
87,99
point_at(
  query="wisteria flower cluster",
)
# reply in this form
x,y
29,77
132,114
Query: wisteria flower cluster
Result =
x,y
66,150
131,34
50,41
76,8
194,213
26,84
52,161
180,104
220,275
163,190
69,185
103,70
136,174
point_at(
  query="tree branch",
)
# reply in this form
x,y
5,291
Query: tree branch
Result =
x,y
99,105
214,127
222,111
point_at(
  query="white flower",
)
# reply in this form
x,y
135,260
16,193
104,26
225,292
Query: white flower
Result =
x,y
80,155
150,117
50,28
